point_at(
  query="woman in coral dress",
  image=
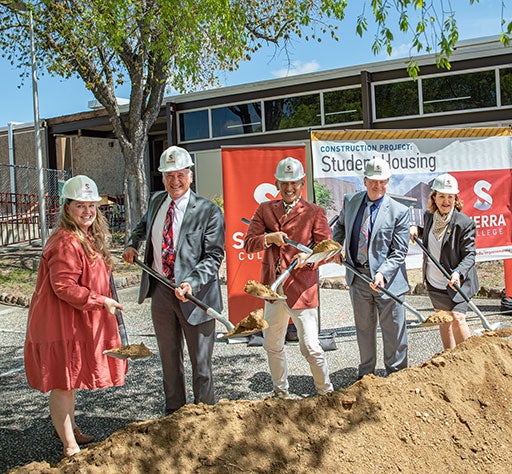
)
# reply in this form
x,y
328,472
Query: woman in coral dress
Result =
x,y
71,319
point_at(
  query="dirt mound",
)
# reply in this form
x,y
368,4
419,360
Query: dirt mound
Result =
x,y
451,414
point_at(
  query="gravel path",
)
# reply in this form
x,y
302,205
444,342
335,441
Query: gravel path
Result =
x,y
241,373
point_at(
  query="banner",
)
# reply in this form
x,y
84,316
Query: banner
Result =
x,y
479,158
248,179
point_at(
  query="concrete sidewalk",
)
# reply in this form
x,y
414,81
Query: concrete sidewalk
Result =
x,y
240,373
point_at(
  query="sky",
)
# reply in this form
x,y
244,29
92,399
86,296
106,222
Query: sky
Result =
x,y
61,97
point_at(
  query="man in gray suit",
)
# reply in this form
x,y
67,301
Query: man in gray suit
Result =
x,y
184,236
375,231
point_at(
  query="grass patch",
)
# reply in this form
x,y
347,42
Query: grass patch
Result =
x,y
18,281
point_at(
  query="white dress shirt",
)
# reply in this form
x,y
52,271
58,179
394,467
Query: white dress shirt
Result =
x,y
180,205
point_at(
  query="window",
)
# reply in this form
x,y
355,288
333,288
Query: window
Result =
x,y
396,99
236,119
194,125
459,92
343,106
506,86
292,112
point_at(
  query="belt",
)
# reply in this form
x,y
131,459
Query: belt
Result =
x,y
362,265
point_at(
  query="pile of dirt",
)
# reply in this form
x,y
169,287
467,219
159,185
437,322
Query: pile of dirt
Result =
x,y
451,414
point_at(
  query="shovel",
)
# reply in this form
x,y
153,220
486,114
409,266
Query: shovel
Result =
x,y
291,242
126,351
316,253
366,278
313,258
485,323
240,330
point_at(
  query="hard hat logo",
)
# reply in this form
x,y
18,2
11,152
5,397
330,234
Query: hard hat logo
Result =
x,y
175,159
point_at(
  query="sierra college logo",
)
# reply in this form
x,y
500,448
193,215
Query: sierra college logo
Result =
x,y
487,224
484,201
265,192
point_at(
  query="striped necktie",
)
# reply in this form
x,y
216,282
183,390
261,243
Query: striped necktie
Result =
x,y
168,255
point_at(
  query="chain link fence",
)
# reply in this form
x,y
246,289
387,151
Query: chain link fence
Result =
x,y
19,201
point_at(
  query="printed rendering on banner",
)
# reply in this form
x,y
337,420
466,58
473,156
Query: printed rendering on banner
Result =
x,y
481,164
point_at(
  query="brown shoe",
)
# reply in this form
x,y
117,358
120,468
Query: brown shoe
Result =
x,y
79,436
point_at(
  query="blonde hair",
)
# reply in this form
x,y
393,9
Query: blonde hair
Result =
x,y
96,241
432,206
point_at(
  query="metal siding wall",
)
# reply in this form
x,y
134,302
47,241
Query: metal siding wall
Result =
x,y
208,173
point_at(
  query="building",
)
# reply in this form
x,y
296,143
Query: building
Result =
x,y
477,91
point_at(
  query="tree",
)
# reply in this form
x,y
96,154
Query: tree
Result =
x,y
153,44
323,196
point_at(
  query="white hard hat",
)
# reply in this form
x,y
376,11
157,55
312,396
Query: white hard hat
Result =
x,y
80,188
445,183
289,169
377,169
175,159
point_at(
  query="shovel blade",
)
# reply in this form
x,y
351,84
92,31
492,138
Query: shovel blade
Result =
x,y
321,256
240,335
131,351
115,355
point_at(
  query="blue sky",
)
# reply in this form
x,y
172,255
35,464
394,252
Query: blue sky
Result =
x,y
61,97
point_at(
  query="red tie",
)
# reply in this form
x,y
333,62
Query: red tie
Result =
x,y
167,244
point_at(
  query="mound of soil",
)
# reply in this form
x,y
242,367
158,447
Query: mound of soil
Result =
x,y
451,414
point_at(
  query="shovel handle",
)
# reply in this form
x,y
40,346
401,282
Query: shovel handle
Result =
x,y
443,270
119,314
291,242
367,279
210,311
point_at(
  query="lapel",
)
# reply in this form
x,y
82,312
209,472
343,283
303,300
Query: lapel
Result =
x,y
381,215
295,213
153,211
352,213
277,209
188,217
449,228
428,225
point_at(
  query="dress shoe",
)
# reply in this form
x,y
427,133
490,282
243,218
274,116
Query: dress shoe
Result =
x,y
79,436
281,394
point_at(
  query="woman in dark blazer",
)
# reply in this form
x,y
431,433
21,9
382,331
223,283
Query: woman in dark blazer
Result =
x,y
450,236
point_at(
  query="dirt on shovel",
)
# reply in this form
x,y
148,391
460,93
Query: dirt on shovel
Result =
x,y
439,317
130,351
326,246
324,250
251,324
255,288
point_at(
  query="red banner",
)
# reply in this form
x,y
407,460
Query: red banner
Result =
x,y
487,200
248,179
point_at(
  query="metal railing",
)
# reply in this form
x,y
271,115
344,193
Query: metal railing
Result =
x,y
19,216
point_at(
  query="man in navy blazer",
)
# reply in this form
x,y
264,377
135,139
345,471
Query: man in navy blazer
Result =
x,y
382,258
198,247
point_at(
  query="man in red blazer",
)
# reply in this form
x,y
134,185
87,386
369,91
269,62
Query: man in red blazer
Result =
x,y
294,218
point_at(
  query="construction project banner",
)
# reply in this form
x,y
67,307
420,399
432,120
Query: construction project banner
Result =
x,y
248,180
479,158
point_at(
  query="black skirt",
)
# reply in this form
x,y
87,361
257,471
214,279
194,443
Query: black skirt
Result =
x,y
441,300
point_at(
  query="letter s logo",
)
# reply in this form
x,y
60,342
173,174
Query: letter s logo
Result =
x,y
263,190
486,200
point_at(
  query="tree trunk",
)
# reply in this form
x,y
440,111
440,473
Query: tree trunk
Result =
x,y
136,185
